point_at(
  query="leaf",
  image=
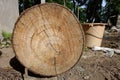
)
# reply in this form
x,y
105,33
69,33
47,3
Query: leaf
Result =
x,y
6,35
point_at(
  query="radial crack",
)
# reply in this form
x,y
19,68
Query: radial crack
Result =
x,y
55,65
50,42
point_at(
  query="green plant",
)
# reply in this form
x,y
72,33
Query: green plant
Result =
x,y
6,41
86,49
6,35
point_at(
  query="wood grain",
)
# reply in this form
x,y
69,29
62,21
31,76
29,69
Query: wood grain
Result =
x,y
48,39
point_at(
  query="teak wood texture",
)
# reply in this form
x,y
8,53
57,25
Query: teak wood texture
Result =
x,y
48,39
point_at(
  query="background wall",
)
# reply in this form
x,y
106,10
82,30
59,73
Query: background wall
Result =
x,y
8,14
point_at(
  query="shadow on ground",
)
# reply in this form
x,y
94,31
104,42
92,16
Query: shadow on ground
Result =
x,y
20,68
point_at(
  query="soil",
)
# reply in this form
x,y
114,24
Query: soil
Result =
x,y
93,65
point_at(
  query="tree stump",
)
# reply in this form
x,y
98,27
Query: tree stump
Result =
x,y
48,39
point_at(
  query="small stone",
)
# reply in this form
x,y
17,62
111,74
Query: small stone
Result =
x,y
81,69
63,78
86,77
0,78
30,78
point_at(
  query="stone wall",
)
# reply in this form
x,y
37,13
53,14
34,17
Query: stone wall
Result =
x,y
9,13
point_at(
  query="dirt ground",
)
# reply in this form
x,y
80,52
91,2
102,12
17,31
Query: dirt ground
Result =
x,y
93,65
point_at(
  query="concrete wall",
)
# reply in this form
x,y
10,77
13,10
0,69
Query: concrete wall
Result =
x,y
9,13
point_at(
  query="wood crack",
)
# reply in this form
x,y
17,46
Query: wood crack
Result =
x,y
49,40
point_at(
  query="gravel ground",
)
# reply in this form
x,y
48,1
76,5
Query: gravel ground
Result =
x,y
93,65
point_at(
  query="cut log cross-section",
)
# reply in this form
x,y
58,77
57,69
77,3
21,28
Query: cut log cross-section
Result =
x,y
48,39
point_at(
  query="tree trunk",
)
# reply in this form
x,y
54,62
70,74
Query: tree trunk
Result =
x,y
74,6
118,22
42,1
64,2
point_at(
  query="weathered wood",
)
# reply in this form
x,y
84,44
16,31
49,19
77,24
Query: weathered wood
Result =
x,y
48,39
